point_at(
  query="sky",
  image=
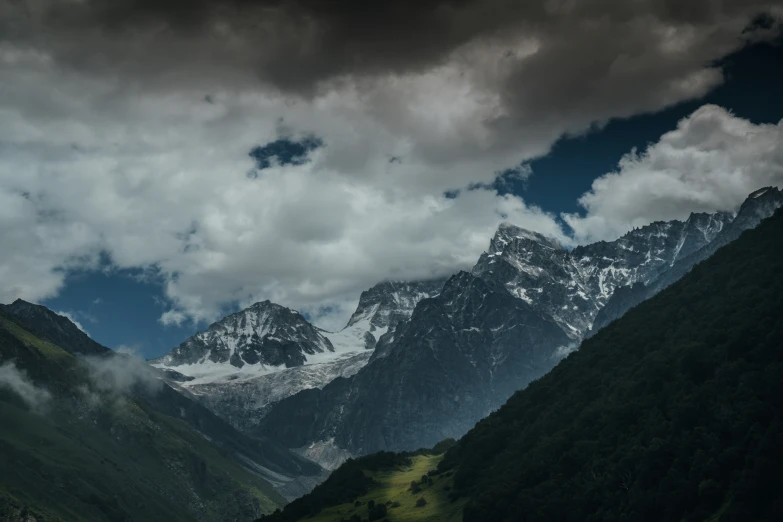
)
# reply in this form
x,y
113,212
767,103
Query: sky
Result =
x,y
165,163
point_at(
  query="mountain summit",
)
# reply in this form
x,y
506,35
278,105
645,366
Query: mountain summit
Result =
x,y
263,336
52,327
246,362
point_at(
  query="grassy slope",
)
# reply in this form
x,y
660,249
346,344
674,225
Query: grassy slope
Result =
x,y
393,485
117,461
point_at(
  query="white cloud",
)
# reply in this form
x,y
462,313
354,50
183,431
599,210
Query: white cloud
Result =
x,y
710,162
70,316
160,182
131,350
173,318
119,374
111,156
18,382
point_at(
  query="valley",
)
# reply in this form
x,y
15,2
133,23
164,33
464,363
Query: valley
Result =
x,y
263,406
641,423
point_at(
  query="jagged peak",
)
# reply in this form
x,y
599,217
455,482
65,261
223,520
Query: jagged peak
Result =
x,y
763,193
20,308
53,327
508,232
651,228
20,303
761,197
266,304
760,192
265,307
720,215
395,297
388,288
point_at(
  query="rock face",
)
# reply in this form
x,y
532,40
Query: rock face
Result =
x,y
759,205
571,287
249,360
525,304
381,307
459,357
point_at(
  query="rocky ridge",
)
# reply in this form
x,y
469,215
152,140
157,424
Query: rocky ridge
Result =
x,y
525,304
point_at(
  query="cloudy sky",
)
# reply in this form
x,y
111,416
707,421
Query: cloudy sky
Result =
x,y
164,162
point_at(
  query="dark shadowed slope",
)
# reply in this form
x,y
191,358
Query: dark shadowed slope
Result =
x,y
457,359
672,413
52,327
759,205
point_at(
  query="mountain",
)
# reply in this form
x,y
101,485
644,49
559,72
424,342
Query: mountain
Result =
x,y
459,357
759,205
649,423
670,413
525,304
572,287
382,307
52,327
254,358
261,336
105,437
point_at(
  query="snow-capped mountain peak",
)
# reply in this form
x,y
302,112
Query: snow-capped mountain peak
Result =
x,y
382,307
262,338
267,352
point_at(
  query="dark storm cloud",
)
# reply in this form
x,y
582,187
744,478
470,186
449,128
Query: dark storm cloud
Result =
x,y
460,80
512,76
297,45
292,44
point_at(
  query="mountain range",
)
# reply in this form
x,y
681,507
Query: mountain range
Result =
x,y
422,361
670,413
257,409
526,303
248,361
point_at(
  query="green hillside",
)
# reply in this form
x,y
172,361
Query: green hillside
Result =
x,y
382,486
672,413
91,452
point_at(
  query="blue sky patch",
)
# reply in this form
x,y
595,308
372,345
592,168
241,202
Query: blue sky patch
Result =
x,y
285,151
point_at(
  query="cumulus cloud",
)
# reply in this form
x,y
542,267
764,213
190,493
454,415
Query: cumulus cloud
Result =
x,y
126,132
11,378
710,162
173,195
118,375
